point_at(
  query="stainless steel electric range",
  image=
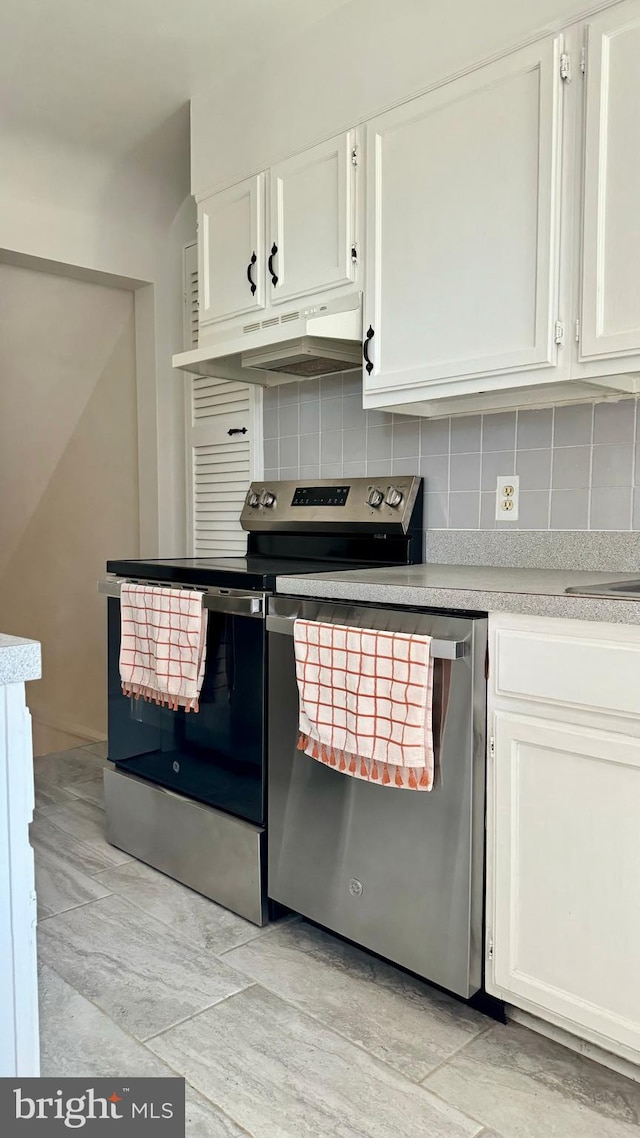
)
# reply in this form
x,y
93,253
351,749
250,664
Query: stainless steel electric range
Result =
x,y
188,792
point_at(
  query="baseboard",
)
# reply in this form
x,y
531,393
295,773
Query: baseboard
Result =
x,y
61,723
574,1043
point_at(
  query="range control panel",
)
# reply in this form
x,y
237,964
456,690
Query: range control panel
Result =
x,y
383,504
320,496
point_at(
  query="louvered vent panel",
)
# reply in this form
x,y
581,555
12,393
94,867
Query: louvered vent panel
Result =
x,y
191,297
219,396
221,465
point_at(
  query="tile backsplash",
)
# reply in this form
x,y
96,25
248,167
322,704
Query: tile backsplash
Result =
x,y
579,466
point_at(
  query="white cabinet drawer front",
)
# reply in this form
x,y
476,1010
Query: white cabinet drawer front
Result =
x,y
591,673
566,803
463,225
611,283
312,220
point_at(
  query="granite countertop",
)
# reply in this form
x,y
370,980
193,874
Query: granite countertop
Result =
x,y
483,588
19,659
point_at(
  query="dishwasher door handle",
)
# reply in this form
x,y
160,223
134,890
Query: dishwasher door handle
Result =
x,y
440,649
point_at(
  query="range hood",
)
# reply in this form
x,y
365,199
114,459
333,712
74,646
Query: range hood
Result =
x,y
302,342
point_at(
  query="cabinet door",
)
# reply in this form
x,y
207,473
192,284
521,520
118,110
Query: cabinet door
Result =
x,y
611,249
19,1044
230,236
463,225
220,464
312,212
564,869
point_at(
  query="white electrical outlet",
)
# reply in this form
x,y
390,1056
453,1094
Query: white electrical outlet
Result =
x,y
507,498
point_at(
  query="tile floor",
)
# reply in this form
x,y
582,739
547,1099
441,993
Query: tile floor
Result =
x,y
280,1033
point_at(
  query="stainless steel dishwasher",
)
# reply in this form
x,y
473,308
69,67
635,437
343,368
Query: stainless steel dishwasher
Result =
x,y
399,872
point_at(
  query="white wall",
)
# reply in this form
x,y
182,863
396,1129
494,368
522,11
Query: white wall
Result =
x,y
362,58
71,211
68,481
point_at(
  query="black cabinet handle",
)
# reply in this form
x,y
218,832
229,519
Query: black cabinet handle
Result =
x,y
249,277
274,278
365,350
237,431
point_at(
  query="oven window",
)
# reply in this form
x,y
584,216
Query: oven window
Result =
x,y
217,755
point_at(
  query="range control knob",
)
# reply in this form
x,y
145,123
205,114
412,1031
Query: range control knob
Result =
x,y
375,499
394,497
253,499
268,499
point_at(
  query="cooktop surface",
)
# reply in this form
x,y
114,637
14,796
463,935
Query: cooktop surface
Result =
x,y
255,571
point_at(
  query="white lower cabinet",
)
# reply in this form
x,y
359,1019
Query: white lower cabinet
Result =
x,y
19,1044
563,872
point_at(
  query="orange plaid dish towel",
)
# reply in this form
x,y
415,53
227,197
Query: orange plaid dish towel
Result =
x,y
163,641
366,700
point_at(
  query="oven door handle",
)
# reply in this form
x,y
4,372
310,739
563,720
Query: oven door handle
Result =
x,y
440,649
237,606
251,604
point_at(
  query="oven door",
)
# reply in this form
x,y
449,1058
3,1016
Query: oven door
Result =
x,y
216,755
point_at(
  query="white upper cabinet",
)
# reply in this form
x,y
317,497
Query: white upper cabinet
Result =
x,y
463,188
502,234
611,239
312,220
231,251
287,234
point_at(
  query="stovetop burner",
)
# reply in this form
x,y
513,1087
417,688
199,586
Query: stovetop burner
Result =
x,y
255,571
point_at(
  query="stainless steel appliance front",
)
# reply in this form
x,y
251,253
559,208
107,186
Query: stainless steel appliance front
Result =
x,y
397,871
322,505
208,850
188,792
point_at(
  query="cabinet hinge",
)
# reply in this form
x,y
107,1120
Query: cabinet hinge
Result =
x,y
354,156
558,333
490,948
354,253
492,747
565,67
583,60
577,331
